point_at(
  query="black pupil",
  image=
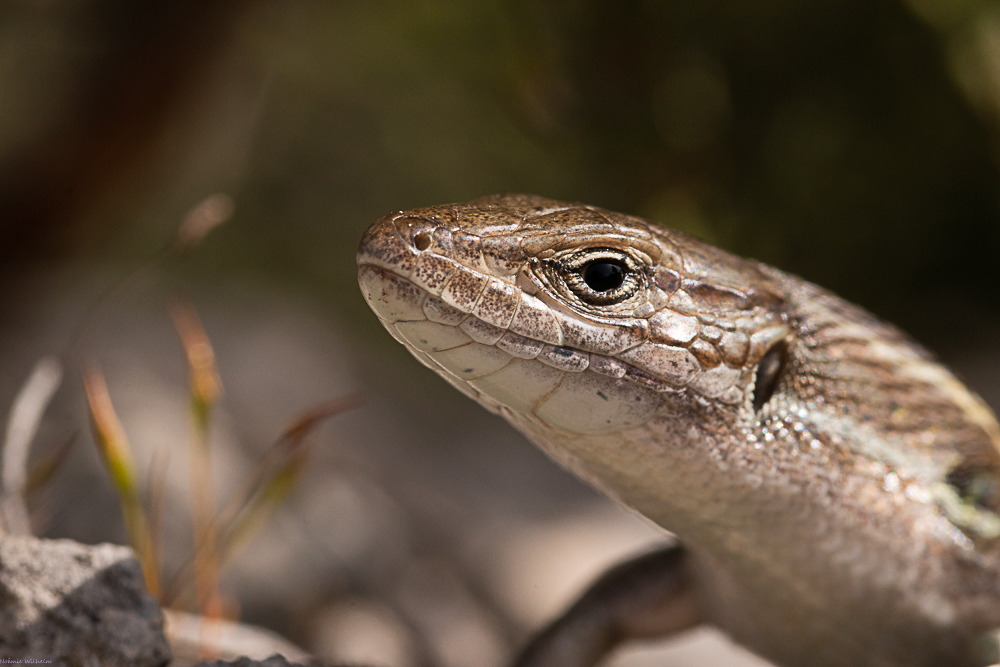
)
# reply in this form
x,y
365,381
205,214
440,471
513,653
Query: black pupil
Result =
x,y
603,276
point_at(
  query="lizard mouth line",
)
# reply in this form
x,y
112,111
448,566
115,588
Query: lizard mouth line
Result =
x,y
513,375
430,325
531,304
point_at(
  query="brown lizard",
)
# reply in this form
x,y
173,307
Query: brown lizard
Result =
x,y
833,489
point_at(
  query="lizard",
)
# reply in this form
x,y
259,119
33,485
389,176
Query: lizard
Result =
x,y
834,491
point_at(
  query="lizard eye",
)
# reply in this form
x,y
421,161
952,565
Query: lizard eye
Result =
x,y
769,371
602,276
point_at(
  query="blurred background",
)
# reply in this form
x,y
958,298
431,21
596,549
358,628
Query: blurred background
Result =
x,y
854,142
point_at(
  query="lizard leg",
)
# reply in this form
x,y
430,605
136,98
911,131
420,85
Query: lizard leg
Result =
x,y
647,597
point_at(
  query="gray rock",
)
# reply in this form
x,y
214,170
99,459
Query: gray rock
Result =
x,y
274,661
77,605
191,637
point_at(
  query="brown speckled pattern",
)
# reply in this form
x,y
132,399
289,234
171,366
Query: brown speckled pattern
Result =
x,y
823,528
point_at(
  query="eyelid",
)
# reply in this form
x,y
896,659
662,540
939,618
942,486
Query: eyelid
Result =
x,y
578,260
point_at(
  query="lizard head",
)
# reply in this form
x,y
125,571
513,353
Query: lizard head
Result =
x,y
766,421
572,317
615,344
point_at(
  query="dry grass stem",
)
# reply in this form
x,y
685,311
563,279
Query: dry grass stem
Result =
x,y
117,458
25,417
202,219
205,389
272,480
46,467
156,485
275,475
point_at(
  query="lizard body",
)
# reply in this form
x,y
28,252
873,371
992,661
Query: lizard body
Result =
x,y
834,488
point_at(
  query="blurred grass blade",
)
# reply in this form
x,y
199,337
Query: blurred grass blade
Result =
x,y
199,221
156,483
202,219
307,420
47,466
273,492
205,389
117,458
281,448
22,425
273,479
275,474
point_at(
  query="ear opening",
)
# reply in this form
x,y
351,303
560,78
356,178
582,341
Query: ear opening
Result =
x,y
770,370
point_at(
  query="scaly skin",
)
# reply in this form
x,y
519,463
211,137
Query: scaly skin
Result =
x,y
848,518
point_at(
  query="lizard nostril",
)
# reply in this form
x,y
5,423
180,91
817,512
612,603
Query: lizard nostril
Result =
x,y
422,241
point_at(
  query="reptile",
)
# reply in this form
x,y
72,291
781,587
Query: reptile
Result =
x,y
834,491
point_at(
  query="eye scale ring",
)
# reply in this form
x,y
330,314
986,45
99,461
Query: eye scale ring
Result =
x,y
601,276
